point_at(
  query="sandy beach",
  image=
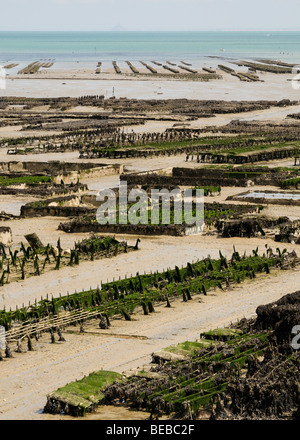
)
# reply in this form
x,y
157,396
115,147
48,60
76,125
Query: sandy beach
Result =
x,y
27,378
156,253
274,87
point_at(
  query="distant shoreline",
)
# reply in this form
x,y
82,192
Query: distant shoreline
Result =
x,y
120,44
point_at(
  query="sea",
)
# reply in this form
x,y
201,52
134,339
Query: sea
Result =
x,y
91,47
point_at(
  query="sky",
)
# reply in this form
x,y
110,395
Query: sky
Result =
x,y
149,15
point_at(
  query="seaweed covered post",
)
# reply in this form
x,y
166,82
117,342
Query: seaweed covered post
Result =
x,y
34,241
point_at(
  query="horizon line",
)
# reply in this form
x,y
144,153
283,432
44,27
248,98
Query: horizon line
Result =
x,y
152,30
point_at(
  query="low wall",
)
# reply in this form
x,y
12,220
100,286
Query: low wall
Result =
x,y
41,190
90,199
289,233
78,226
248,158
55,168
54,211
73,176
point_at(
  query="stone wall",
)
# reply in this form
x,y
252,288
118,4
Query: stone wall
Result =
x,y
77,225
248,158
54,211
103,170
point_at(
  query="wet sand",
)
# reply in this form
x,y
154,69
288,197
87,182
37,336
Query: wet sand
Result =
x,y
273,114
26,379
274,87
155,252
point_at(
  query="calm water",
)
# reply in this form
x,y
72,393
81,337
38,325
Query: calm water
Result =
x,y
70,46
263,195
